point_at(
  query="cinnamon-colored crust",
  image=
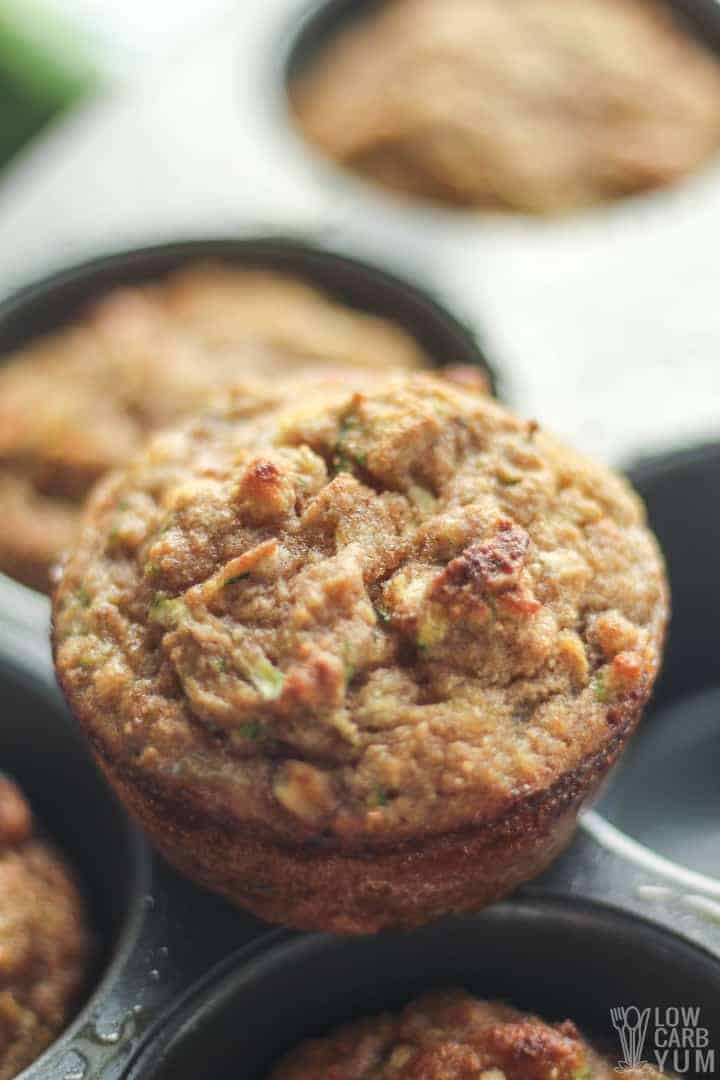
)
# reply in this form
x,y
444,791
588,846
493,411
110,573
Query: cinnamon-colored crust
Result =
x,y
446,1035
45,938
360,892
451,1035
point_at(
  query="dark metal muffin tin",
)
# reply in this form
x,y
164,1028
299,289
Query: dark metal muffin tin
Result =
x,y
186,986
543,954
155,932
615,921
54,301
666,791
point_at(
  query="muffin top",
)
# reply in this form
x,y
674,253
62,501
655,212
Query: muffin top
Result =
x,y
536,105
80,401
450,1035
356,615
45,942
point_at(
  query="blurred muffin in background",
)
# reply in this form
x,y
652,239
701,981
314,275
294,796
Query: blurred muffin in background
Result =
x,y
80,401
45,941
540,106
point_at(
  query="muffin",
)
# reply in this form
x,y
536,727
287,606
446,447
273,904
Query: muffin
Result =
x,y
81,400
540,106
450,1035
45,941
358,662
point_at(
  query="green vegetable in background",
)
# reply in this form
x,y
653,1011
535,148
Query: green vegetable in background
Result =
x,y
45,66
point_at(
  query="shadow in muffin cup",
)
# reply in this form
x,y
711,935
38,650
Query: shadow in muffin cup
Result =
x,y
557,958
55,301
665,792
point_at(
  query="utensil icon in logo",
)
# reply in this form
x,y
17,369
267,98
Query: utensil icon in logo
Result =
x,y
631,1025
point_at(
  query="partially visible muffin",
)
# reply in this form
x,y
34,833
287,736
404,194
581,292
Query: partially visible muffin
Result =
x,y
451,1035
540,106
358,661
80,401
45,939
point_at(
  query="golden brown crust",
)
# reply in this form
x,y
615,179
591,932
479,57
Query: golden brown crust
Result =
x,y
536,105
359,663
446,1035
45,942
79,402
343,892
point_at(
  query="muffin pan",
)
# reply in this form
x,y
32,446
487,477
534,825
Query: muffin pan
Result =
x,y
155,933
190,987
631,913
54,302
615,920
544,955
665,792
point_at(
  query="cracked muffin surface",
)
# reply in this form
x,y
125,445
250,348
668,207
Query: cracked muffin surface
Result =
x,y
382,615
45,940
78,402
541,106
451,1035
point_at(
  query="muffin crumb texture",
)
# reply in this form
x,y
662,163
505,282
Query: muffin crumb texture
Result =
x,y
81,400
351,619
450,1035
45,942
540,106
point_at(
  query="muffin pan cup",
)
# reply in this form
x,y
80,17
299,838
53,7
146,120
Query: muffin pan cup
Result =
x,y
570,301
56,300
665,793
305,39
544,954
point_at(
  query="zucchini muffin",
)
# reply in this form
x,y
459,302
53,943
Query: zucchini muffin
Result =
x,y
45,942
450,1035
358,662
82,400
540,106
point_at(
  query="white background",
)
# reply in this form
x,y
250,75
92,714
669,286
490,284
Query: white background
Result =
x,y
132,30
606,325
